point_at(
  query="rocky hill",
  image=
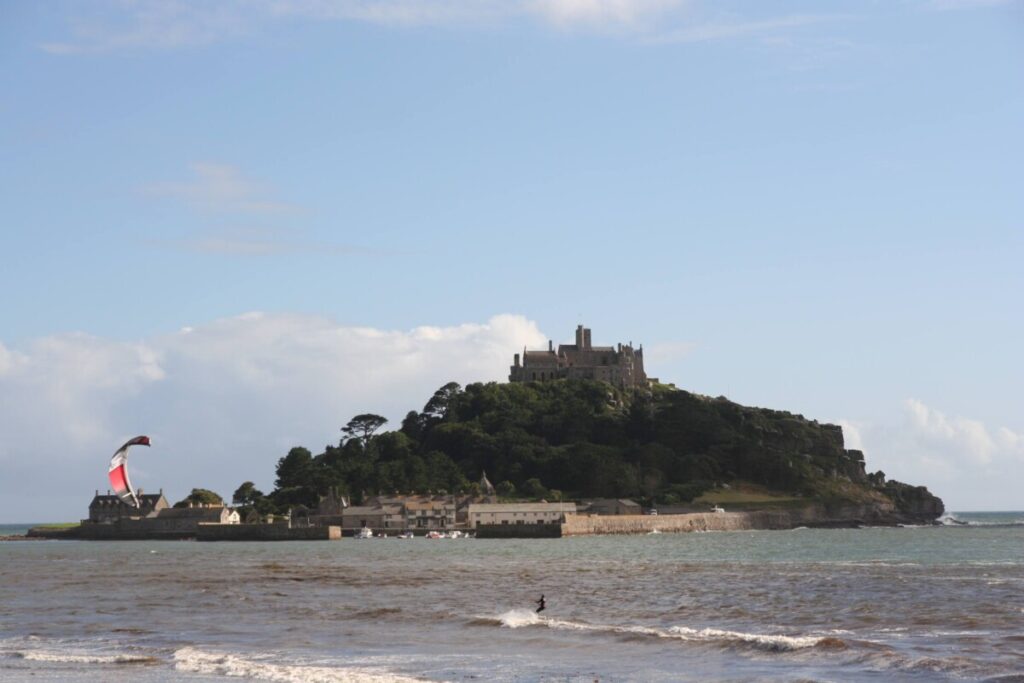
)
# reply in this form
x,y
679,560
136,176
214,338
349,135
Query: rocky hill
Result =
x,y
575,439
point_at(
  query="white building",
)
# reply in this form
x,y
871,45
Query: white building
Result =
x,y
519,513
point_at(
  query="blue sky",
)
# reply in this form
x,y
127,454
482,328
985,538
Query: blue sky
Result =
x,y
235,225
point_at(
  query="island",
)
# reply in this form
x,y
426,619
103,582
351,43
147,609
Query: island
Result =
x,y
583,441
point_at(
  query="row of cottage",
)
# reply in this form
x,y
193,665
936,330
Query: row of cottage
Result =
x,y
379,513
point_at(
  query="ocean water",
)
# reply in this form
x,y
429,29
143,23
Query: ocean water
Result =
x,y
942,603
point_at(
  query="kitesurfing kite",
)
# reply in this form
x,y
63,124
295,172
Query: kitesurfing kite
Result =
x,y
118,472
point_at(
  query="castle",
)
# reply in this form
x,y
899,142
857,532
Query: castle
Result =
x,y
621,365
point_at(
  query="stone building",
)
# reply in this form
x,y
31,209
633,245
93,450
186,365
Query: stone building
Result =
x,y
188,519
620,365
108,509
519,513
610,506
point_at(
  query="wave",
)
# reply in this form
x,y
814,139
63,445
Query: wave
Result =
x,y
987,519
192,660
71,658
520,618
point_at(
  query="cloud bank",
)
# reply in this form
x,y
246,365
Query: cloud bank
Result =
x,y
222,400
970,464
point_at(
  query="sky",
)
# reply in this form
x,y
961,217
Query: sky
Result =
x,y
232,226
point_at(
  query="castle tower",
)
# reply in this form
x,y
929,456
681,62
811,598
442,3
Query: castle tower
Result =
x,y
620,365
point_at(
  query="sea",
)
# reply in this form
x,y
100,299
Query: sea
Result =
x,y
930,603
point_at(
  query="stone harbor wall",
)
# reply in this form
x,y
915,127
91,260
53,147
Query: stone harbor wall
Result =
x,y
266,532
582,525
816,515
129,532
519,530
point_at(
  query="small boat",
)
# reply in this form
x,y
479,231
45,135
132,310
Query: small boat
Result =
x,y
434,534
365,532
717,509
406,534
652,532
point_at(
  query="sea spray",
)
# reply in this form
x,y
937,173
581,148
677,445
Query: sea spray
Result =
x,y
519,618
256,667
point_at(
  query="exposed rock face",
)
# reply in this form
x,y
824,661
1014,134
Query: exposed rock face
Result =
x,y
915,503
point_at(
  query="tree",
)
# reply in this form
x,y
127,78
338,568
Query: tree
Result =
x,y
534,489
200,497
362,427
295,469
246,494
439,404
506,489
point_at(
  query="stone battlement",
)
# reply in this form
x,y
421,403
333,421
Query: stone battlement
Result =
x,y
620,365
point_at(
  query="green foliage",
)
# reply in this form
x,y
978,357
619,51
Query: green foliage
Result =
x,y
200,497
586,439
295,469
505,489
246,494
363,426
534,489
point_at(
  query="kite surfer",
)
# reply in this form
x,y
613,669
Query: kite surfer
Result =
x,y
541,603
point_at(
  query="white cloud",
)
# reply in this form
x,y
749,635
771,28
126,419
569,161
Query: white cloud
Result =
x,y
222,400
220,188
966,462
738,28
947,5
161,24
959,434
852,438
169,24
628,13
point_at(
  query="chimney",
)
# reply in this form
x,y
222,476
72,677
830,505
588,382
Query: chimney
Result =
x,y
579,337
517,360
586,337
551,346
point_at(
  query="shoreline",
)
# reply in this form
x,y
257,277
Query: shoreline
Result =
x,y
819,515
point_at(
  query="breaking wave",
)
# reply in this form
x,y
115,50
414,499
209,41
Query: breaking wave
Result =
x,y
982,519
72,658
520,618
192,660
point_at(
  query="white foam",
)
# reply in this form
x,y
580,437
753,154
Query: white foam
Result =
x,y
78,658
191,660
761,640
519,618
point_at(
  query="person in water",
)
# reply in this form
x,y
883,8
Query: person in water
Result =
x,y
541,603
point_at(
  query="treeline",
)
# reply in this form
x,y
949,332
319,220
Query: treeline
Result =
x,y
563,438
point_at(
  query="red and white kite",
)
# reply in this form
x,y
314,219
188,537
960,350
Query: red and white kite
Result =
x,y
118,472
